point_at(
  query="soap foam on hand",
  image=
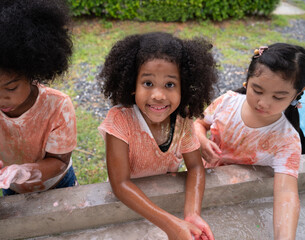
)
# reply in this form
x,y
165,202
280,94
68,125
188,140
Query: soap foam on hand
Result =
x,y
18,174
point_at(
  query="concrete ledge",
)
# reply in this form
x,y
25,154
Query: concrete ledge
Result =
x,y
90,206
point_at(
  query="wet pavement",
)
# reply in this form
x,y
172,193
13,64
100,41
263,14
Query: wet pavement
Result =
x,y
245,221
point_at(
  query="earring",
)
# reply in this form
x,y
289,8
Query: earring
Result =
x,y
245,84
295,103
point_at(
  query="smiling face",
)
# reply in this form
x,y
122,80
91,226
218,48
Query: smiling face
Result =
x,y
16,94
158,90
268,95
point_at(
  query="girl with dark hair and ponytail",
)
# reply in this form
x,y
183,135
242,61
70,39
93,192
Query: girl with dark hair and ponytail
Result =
x,y
259,125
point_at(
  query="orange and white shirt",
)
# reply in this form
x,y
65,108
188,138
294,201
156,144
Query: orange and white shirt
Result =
x,y
276,145
48,126
145,156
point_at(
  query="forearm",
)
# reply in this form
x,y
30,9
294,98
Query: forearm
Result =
x,y
49,168
41,172
195,185
135,199
201,131
285,215
286,206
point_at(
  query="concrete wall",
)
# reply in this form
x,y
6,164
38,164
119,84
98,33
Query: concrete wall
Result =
x,y
90,206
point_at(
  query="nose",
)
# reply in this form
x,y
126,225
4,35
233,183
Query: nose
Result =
x,y
158,94
263,103
3,98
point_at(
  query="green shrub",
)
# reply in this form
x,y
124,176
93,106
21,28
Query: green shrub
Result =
x,y
172,10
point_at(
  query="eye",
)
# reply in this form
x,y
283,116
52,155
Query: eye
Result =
x,y
257,92
170,85
11,89
147,83
278,98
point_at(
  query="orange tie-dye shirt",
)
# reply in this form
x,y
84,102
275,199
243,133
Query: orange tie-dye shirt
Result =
x,y
48,126
276,145
145,156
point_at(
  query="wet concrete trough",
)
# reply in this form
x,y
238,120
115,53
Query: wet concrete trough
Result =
x,y
87,207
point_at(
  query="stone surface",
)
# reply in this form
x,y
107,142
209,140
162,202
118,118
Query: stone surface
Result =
x,y
91,206
251,220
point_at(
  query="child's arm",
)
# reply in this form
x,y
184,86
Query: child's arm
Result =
x,y
195,185
286,206
38,173
209,150
134,198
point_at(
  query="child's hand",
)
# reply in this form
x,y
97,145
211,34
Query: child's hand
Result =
x,y
210,152
183,230
204,227
18,174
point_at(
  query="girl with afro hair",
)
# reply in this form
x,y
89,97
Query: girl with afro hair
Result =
x,y
157,83
37,123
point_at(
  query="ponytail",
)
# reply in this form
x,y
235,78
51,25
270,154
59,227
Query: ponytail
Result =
x,y
292,114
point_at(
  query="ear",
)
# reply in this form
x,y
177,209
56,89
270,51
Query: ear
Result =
x,y
245,84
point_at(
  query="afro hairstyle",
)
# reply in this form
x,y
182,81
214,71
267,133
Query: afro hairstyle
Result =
x,y
34,38
194,59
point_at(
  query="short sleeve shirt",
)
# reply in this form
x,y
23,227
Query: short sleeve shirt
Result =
x,y
145,156
276,145
48,126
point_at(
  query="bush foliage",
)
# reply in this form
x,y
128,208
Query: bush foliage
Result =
x,y
172,10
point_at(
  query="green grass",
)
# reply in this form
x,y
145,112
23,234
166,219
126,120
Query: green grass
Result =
x,y
93,39
89,156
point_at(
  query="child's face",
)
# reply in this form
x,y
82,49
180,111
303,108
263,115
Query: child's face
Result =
x,y
268,94
15,94
158,90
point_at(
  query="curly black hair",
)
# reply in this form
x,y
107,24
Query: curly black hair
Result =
x,y
34,38
194,59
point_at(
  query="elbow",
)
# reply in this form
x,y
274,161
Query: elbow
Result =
x,y
119,187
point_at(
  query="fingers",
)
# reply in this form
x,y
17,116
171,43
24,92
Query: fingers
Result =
x,y
18,174
207,234
211,152
216,148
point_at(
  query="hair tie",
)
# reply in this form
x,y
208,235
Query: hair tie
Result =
x,y
259,52
296,103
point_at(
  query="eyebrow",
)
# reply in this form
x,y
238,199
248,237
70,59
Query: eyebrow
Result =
x,y
276,92
12,81
150,74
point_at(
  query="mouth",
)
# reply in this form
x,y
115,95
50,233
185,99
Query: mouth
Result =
x,y
260,111
158,108
6,109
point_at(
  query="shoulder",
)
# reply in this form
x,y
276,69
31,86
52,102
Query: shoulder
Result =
x,y
119,110
52,94
228,100
285,134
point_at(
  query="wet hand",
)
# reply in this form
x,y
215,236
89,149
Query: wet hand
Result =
x,y
210,152
18,174
183,230
202,225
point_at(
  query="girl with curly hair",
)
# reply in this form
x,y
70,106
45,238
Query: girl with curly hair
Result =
x,y
259,125
37,123
157,83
